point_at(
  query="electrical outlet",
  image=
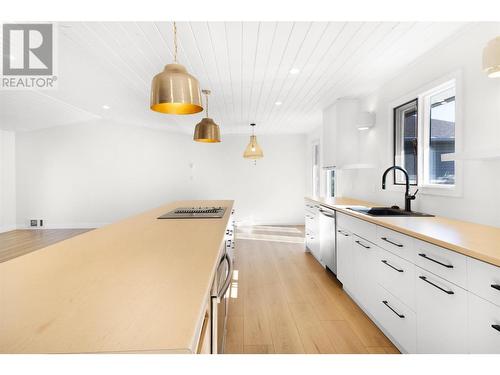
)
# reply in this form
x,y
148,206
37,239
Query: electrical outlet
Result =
x,y
33,223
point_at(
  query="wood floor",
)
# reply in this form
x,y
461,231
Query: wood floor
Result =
x,y
283,301
19,242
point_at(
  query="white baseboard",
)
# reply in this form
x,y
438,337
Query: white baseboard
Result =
x,y
65,226
7,228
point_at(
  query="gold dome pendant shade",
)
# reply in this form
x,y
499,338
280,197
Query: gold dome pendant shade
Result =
x,y
491,58
253,150
207,130
175,91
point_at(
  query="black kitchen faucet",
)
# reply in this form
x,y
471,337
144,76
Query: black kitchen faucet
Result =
x,y
408,197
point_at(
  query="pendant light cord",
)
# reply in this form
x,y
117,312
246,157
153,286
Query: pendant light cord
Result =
x,y
206,100
175,42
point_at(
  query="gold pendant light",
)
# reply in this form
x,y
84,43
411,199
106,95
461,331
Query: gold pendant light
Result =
x,y
491,58
175,91
207,130
253,150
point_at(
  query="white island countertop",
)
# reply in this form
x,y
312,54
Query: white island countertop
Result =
x,y
139,285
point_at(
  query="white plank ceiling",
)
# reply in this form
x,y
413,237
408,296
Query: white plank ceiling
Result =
x,y
245,64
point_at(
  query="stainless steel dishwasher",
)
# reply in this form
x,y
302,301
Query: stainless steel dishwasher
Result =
x,y
220,300
327,238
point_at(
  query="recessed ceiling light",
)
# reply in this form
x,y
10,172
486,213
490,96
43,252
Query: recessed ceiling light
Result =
x,y
105,106
278,103
294,71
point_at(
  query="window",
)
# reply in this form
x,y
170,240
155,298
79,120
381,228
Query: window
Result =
x,y
330,182
441,138
424,129
315,171
405,140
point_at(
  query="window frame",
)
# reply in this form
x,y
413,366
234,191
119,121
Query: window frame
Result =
x,y
329,192
394,141
426,112
316,167
455,190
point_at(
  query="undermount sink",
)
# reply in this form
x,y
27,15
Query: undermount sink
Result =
x,y
387,211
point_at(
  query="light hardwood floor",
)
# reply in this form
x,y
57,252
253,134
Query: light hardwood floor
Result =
x,y
283,301
19,242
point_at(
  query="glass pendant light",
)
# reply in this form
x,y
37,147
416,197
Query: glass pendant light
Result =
x,y
175,91
253,150
491,58
207,130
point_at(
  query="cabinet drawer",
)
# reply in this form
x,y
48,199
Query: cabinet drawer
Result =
x,y
441,315
395,242
448,264
309,206
484,326
359,227
484,280
397,276
311,223
311,239
397,319
364,270
345,259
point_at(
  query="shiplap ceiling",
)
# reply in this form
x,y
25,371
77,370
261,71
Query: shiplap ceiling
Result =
x,y
245,64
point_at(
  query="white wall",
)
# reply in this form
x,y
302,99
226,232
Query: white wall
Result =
x,y
7,181
94,173
481,130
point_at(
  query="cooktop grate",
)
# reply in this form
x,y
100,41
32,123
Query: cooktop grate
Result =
x,y
195,213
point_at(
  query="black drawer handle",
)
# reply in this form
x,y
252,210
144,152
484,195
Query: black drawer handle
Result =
x,y
390,265
394,311
496,326
495,286
436,286
361,244
343,233
392,243
435,261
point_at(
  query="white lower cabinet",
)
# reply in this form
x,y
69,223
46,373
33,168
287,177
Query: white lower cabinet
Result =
x,y
441,315
397,319
397,276
312,244
426,298
311,217
484,280
345,259
484,326
364,264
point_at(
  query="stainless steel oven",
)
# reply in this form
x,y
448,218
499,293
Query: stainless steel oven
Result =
x,y
220,300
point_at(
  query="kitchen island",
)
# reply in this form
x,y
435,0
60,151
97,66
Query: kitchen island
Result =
x,y
138,285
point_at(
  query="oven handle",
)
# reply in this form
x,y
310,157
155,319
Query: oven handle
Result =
x,y
227,282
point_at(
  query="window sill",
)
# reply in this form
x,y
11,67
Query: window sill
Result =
x,y
444,191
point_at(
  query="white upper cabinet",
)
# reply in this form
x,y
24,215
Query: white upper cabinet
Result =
x,y
340,118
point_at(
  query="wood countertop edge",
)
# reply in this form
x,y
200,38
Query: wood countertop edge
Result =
x,y
420,236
